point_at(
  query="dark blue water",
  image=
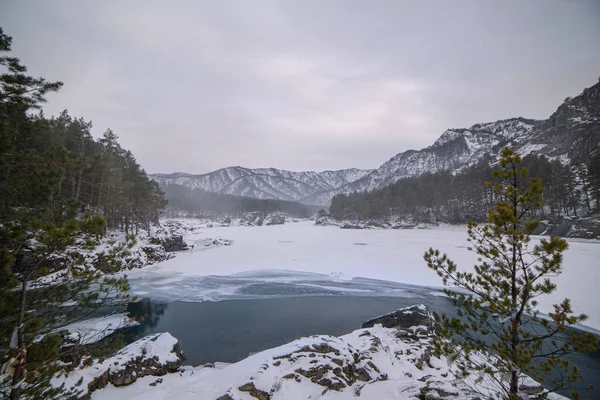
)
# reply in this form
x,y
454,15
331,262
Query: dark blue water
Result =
x,y
229,331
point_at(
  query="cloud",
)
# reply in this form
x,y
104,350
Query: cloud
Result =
x,y
309,85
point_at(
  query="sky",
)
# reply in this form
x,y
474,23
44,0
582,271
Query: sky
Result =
x,y
195,86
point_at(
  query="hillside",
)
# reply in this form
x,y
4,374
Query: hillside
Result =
x,y
264,183
571,134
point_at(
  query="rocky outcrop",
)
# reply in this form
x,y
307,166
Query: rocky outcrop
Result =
x,y
416,316
154,355
274,219
154,253
170,243
393,356
325,220
255,218
583,228
586,228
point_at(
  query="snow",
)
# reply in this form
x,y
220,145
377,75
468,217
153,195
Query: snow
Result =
x,y
287,253
264,183
396,369
95,329
159,346
211,383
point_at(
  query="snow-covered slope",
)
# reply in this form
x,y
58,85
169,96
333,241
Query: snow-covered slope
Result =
x,y
264,183
455,149
570,135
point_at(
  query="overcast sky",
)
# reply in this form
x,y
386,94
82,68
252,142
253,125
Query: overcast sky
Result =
x,y
302,85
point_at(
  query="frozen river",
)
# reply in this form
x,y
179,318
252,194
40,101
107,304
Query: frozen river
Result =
x,y
301,259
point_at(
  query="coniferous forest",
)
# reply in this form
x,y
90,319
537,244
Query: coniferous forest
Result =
x,y
59,187
201,203
57,163
570,191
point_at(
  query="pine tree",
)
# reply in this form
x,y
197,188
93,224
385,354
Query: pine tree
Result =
x,y
497,303
45,283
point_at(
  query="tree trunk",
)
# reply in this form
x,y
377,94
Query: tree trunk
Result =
x,y
514,329
78,184
21,352
60,187
100,190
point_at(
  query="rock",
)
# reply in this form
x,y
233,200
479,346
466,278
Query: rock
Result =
x,y
154,355
255,218
584,227
254,392
170,243
325,220
274,219
353,226
154,252
404,319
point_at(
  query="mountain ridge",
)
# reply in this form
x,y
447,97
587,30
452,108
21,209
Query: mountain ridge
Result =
x,y
570,134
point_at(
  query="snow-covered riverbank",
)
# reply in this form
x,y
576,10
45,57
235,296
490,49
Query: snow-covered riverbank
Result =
x,y
390,358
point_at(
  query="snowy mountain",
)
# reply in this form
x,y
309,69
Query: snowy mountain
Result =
x,y
571,134
455,149
264,183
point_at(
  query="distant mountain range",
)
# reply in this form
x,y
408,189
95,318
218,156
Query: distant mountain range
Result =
x,y
265,183
570,135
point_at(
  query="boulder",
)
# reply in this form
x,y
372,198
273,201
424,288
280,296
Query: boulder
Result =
x,y
255,218
170,243
154,253
154,355
353,226
405,318
586,228
274,219
324,220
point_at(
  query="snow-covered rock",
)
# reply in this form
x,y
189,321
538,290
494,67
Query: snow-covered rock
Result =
x,y
325,220
376,362
154,355
274,219
255,218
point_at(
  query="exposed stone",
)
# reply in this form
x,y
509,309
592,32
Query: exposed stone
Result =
x,y
254,392
137,367
352,226
255,218
404,319
275,219
154,252
170,243
322,348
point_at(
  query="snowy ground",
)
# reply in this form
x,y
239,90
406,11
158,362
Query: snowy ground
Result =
x,y
93,330
260,260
